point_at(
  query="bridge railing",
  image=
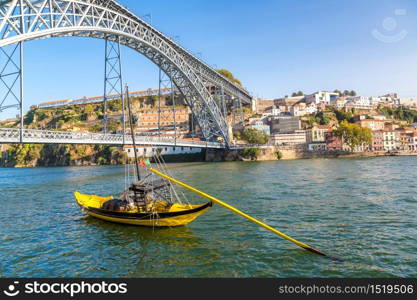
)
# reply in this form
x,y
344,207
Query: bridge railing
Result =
x,y
12,135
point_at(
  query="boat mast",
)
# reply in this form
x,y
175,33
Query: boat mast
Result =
x,y
132,132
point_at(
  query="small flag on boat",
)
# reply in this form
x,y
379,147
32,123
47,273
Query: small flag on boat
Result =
x,y
144,162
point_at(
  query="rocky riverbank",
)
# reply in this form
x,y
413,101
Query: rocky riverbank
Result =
x,y
271,153
21,156
60,155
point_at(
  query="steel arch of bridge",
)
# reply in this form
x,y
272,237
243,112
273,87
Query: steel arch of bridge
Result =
x,y
23,20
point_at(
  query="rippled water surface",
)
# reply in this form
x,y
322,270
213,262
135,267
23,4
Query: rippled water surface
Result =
x,y
362,210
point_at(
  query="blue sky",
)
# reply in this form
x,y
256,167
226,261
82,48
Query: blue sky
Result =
x,y
274,47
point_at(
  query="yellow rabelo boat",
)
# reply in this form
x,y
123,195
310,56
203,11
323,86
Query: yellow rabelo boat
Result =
x,y
166,215
150,201
153,214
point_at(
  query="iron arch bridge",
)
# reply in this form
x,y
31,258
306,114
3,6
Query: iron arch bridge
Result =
x,y
24,20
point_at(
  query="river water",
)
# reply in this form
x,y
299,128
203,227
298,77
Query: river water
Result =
x,y
361,210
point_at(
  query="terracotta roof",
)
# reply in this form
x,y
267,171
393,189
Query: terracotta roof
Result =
x,y
371,120
57,101
323,127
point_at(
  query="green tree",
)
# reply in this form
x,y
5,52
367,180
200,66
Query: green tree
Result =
x,y
113,126
354,135
135,119
342,115
279,155
251,153
229,75
25,155
297,94
60,124
322,118
352,93
254,136
89,109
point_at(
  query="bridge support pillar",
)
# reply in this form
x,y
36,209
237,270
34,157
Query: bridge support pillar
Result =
x,y
238,115
166,84
113,81
242,115
11,78
223,107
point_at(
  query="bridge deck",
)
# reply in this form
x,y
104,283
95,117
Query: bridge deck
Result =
x,y
31,136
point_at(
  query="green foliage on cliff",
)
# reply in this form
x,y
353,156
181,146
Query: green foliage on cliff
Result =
x,y
115,105
251,153
279,155
254,136
151,100
62,155
343,115
24,155
320,118
229,75
401,114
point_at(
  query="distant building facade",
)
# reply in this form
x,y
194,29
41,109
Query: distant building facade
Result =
x,y
285,124
391,140
152,151
317,134
316,137
149,118
407,140
261,126
333,142
321,97
372,124
377,140
294,138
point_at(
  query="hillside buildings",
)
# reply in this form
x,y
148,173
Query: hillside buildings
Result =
x,y
321,97
283,117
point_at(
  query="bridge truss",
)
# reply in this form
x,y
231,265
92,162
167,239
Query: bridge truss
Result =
x,y
24,20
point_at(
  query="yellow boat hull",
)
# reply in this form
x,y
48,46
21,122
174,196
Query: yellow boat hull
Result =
x,y
175,215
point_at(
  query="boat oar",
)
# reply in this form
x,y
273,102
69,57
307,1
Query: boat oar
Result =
x,y
237,211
